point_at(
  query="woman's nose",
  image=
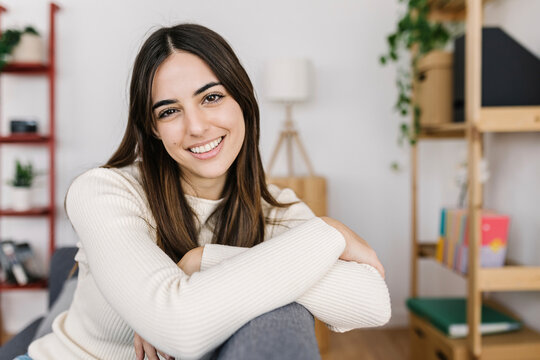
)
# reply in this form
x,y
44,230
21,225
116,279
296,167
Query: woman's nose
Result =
x,y
197,123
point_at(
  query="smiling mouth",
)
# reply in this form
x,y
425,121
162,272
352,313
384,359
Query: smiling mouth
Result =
x,y
206,148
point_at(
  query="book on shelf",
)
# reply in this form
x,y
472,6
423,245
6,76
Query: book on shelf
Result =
x,y
453,244
449,315
18,263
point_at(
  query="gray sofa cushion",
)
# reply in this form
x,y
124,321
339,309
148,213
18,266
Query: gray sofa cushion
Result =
x,y
18,345
62,262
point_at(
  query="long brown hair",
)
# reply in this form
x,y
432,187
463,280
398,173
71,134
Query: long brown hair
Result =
x,y
238,220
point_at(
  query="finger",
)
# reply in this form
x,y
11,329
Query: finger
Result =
x,y
380,269
166,356
137,343
150,351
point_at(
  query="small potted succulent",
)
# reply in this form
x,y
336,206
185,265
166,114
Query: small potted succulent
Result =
x,y
22,186
22,46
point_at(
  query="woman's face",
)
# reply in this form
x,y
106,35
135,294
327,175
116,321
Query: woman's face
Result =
x,y
200,124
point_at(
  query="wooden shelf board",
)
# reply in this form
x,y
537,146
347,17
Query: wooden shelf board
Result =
x,y
41,211
509,119
40,284
451,130
510,278
448,10
26,69
505,278
512,345
25,139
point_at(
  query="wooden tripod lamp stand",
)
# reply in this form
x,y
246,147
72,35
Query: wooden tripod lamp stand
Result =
x,y
288,82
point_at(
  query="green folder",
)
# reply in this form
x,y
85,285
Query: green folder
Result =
x,y
450,316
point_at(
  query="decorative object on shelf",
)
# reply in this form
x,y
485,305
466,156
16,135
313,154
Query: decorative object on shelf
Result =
x,y
21,195
462,178
433,87
288,81
21,126
417,34
18,263
24,46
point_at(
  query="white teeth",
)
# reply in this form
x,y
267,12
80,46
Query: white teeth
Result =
x,y
207,147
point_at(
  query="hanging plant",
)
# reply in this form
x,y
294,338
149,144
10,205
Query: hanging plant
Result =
x,y
9,39
414,31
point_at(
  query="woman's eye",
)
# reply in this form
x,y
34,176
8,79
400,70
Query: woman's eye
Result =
x,y
166,113
213,98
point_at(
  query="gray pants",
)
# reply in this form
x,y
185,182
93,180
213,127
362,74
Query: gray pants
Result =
x,y
286,333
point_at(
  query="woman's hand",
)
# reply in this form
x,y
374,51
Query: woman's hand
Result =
x,y
191,261
356,248
142,347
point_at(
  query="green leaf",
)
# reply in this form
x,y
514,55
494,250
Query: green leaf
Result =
x,y
30,30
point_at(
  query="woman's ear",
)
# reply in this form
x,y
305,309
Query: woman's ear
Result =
x,y
155,133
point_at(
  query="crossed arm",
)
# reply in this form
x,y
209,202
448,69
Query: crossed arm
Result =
x,y
343,298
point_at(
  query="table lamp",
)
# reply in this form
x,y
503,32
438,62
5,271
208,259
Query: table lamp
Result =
x,y
288,81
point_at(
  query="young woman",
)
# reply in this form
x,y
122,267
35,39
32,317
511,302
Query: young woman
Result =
x,y
182,242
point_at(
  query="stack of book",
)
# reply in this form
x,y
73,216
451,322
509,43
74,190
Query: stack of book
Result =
x,y
449,315
453,244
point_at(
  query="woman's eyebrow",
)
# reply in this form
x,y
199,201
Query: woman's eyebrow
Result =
x,y
163,102
207,86
197,92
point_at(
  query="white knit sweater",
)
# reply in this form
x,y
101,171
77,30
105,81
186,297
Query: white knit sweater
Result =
x,y
127,283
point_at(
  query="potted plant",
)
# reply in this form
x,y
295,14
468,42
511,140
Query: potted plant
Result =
x,y
22,186
21,46
418,35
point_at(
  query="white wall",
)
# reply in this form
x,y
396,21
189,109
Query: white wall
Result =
x,y
349,129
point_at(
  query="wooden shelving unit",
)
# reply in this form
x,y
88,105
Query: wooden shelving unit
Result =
x,y
524,344
48,141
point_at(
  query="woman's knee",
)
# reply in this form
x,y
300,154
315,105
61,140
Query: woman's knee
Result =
x,y
283,333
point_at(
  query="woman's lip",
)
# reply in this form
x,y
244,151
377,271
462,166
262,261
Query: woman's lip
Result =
x,y
210,154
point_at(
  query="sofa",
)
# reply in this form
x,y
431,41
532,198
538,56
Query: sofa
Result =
x,y
61,264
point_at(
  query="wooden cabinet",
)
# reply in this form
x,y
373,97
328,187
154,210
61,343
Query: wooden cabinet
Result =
x,y
47,141
523,344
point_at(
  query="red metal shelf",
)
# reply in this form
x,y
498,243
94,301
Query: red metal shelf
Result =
x,y
25,139
40,284
48,212
26,69
42,211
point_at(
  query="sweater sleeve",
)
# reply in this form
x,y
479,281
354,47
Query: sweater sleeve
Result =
x,y
187,316
349,296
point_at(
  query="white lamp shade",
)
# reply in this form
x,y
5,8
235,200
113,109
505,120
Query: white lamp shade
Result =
x,y
288,80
